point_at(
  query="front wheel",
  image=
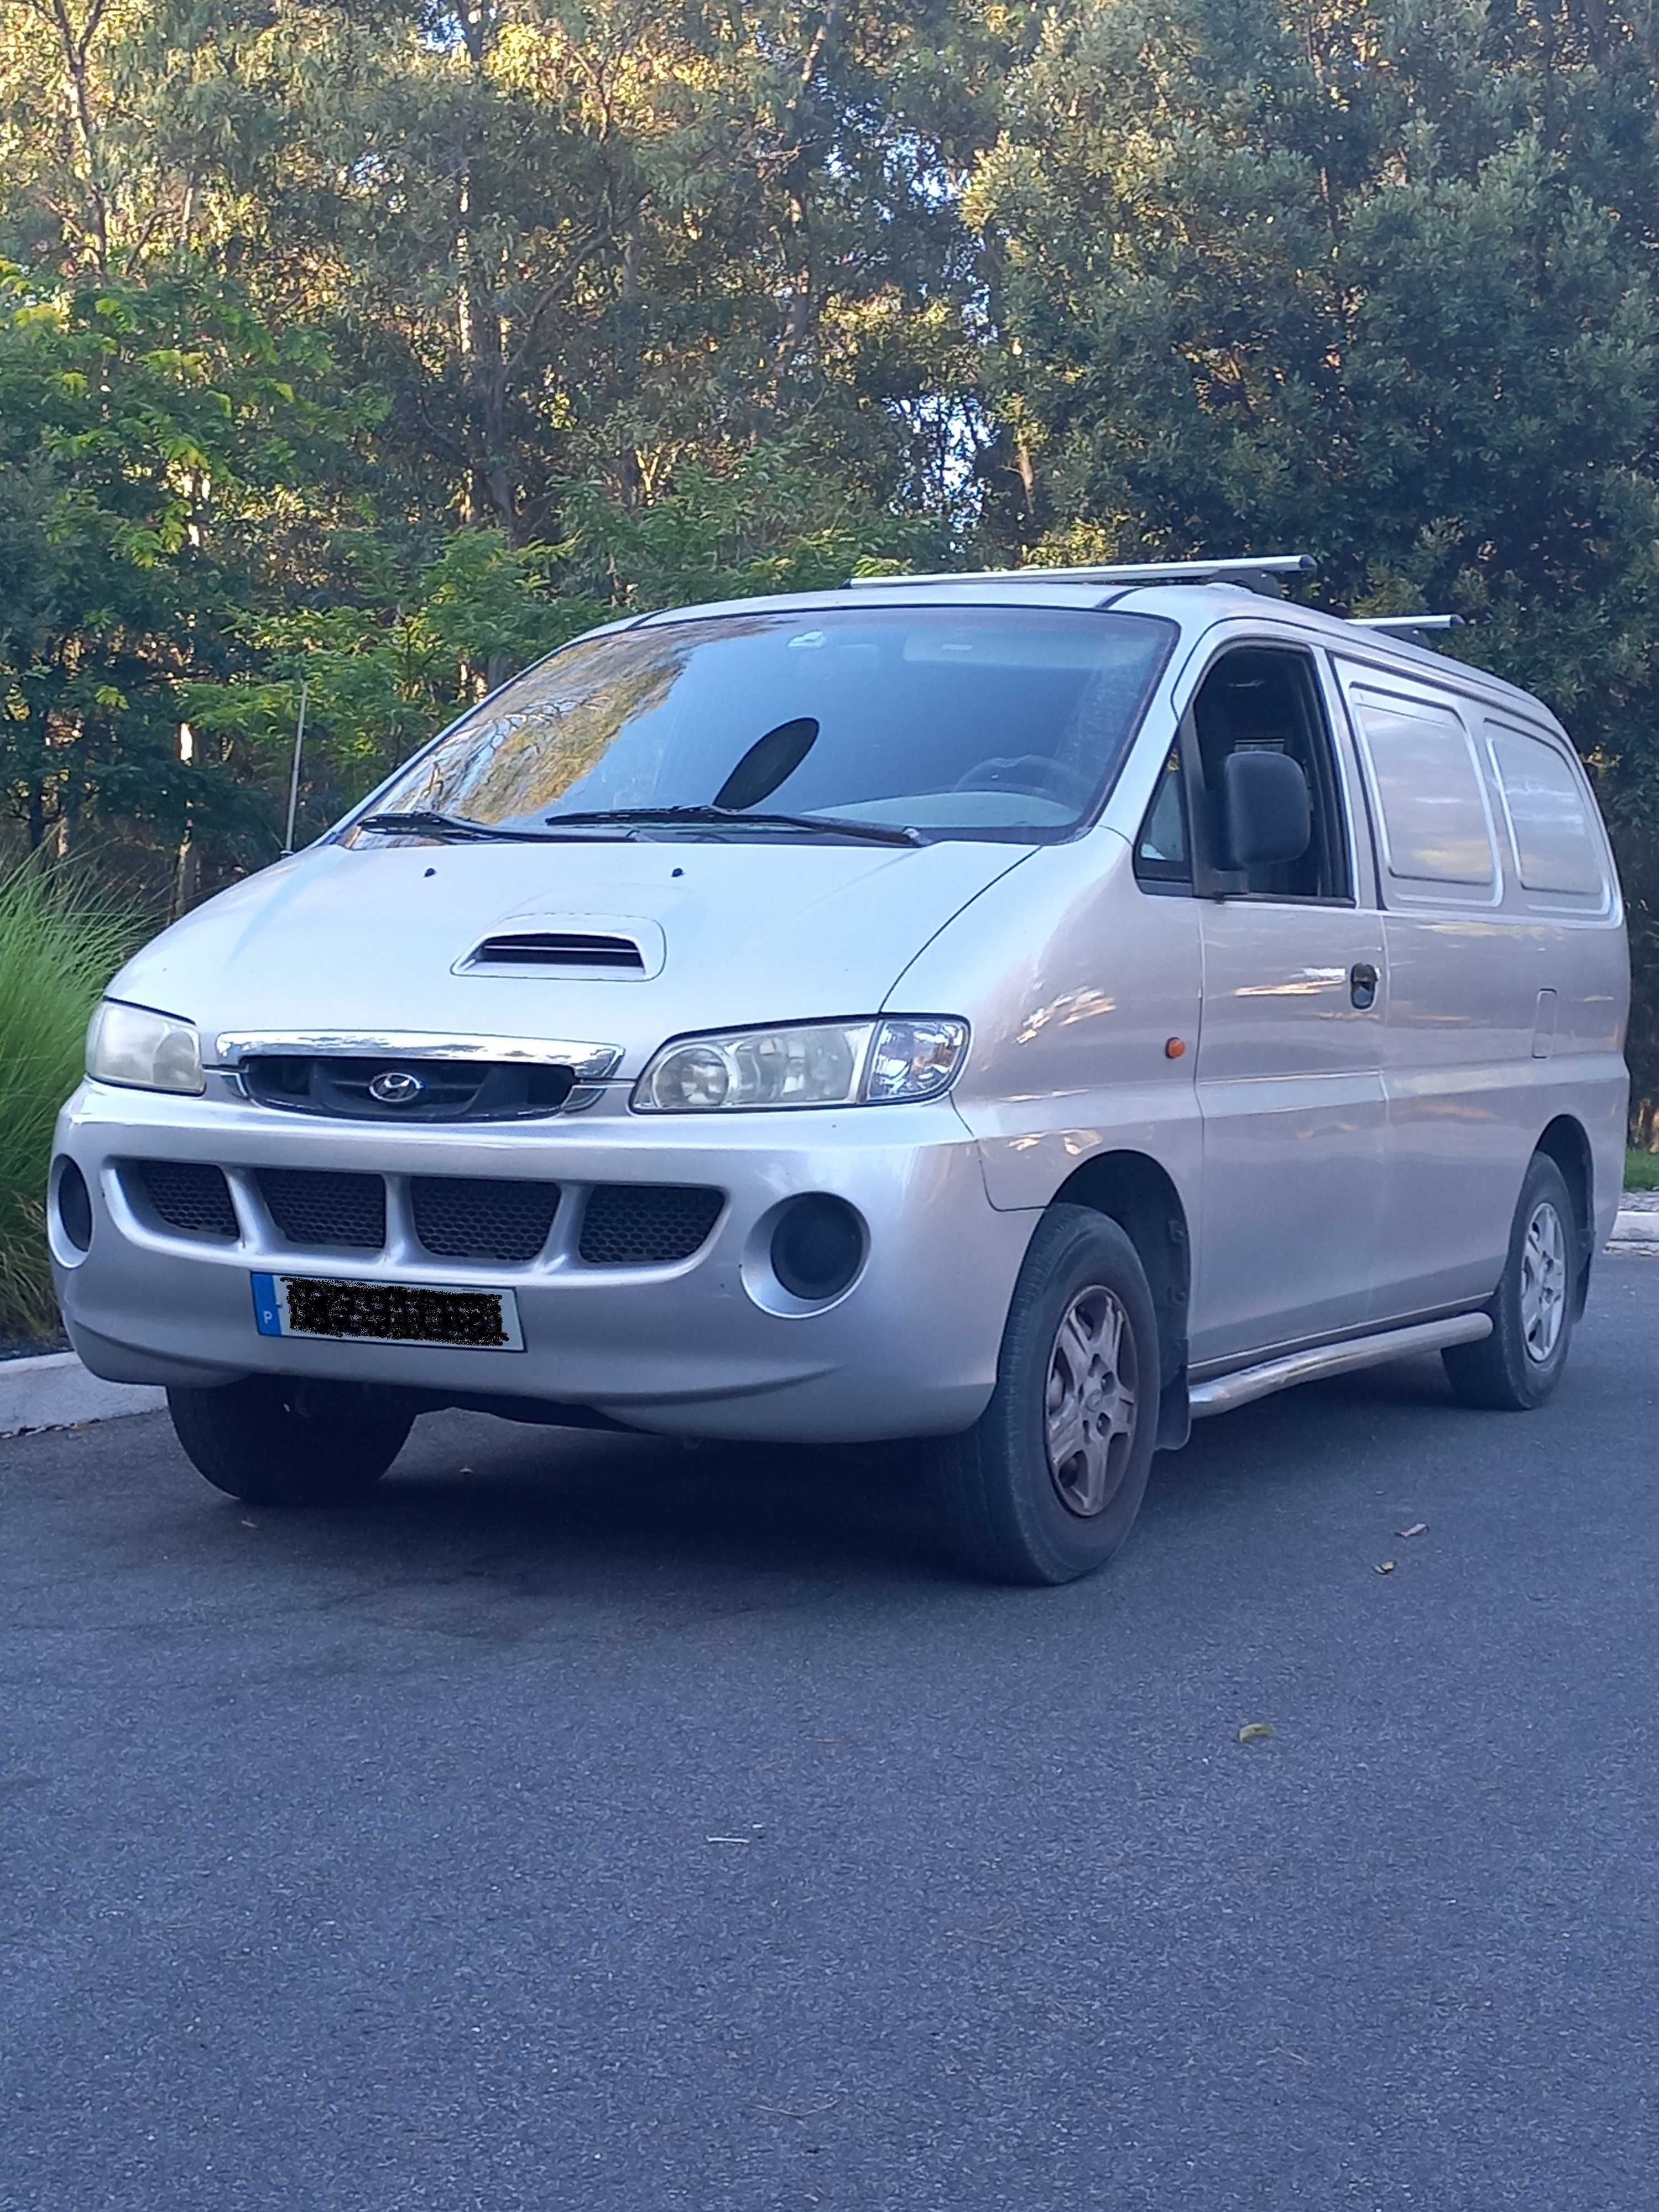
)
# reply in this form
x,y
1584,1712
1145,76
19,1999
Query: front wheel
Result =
x,y
278,1442
1046,1484
1519,1365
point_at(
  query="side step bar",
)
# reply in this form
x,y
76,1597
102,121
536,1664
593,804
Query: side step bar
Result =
x,y
1238,1389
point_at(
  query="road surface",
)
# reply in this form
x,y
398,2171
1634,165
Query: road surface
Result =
x,y
597,1824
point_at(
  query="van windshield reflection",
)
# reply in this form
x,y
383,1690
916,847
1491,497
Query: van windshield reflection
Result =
x,y
888,726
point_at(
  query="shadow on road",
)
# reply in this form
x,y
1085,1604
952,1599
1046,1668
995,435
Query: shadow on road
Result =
x,y
536,1509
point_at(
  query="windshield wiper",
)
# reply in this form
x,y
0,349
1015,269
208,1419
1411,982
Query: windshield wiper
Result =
x,y
429,822
875,833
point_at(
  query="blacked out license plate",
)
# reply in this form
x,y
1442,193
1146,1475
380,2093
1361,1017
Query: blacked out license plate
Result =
x,y
386,1313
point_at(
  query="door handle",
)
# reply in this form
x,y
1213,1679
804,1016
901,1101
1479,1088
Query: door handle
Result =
x,y
1362,985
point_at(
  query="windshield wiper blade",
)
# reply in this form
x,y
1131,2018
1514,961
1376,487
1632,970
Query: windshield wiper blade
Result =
x,y
432,824
877,833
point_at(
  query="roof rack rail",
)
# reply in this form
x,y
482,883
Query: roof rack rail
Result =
x,y
1390,623
1259,574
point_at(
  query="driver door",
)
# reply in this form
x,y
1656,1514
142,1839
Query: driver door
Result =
x,y
1290,1062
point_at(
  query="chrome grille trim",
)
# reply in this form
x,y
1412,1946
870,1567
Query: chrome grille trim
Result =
x,y
591,1063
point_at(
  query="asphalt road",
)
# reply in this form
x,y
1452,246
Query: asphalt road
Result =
x,y
597,1824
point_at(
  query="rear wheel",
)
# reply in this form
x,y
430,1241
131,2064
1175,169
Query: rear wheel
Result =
x,y
278,1442
1046,1484
1519,1365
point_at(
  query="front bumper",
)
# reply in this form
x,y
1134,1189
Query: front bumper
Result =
x,y
704,1346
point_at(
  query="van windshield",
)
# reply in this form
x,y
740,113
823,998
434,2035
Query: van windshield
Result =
x,y
948,722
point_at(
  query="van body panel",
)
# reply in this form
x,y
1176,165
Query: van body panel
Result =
x,y
749,933
1290,1090
1077,984
1473,953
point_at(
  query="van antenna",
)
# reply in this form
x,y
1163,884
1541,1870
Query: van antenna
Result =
x,y
294,777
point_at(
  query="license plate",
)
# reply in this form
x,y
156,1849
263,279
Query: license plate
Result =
x,y
386,1313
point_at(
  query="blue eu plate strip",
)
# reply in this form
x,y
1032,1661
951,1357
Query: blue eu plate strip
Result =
x,y
267,1314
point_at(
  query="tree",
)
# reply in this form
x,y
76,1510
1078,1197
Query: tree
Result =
x,y
571,239
1371,281
160,458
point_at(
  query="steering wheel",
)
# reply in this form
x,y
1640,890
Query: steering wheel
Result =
x,y
1031,776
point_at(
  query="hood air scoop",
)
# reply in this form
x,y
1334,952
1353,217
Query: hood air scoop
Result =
x,y
558,951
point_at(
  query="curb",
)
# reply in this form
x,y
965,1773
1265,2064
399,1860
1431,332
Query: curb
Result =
x,y
54,1391
1636,1232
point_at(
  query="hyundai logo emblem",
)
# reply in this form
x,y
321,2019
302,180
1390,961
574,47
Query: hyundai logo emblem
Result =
x,y
395,1086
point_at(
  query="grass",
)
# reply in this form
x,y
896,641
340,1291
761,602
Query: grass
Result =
x,y
1642,1171
57,950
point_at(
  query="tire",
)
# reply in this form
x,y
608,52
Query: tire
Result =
x,y
1080,1358
287,1443
1519,1365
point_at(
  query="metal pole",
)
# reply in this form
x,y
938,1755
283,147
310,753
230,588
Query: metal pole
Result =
x,y
293,778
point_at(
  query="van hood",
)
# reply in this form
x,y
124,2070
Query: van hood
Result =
x,y
366,939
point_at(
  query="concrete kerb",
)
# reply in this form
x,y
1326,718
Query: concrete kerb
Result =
x,y
56,1392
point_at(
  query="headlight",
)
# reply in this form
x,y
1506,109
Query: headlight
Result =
x,y
869,1063
145,1050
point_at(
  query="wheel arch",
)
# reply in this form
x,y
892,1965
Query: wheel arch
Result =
x,y
1566,1141
1132,1189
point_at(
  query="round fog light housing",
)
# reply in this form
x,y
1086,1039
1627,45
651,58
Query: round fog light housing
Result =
x,y
74,1203
818,1246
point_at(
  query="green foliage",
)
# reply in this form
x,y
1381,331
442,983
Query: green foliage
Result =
x,y
156,442
375,349
57,952
1377,283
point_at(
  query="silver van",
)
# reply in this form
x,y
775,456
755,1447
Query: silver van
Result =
x,y
1020,1012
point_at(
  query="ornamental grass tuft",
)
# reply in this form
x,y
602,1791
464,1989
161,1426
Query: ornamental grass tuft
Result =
x,y
58,948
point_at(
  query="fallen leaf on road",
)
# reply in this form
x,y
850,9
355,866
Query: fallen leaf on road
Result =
x,y
1254,1732
985,1935
1385,1566
1416,1528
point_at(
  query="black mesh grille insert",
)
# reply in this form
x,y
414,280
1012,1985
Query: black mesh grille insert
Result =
x,y
459,1219
192,1199
318,1205
423,1089
643,1224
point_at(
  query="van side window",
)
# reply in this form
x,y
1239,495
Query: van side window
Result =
x,y
1266,698
1555,847
1162,852
1436,837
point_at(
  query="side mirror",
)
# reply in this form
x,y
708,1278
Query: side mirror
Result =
x,y
1266,816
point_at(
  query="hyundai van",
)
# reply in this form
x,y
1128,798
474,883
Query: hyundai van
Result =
x,y
1017,1012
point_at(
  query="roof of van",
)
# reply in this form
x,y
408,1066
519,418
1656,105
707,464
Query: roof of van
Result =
x,y
1194,607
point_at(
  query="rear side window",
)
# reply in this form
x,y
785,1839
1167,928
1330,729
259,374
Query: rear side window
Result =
x,y
1556,847
1436,831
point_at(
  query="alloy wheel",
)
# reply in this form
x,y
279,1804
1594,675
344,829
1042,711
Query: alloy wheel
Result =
x,y
1543,1283
1091,1402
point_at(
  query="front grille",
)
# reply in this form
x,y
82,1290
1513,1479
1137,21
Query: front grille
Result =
x,y
320,1205
644,1224
457,1218
191,1199
422,1090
